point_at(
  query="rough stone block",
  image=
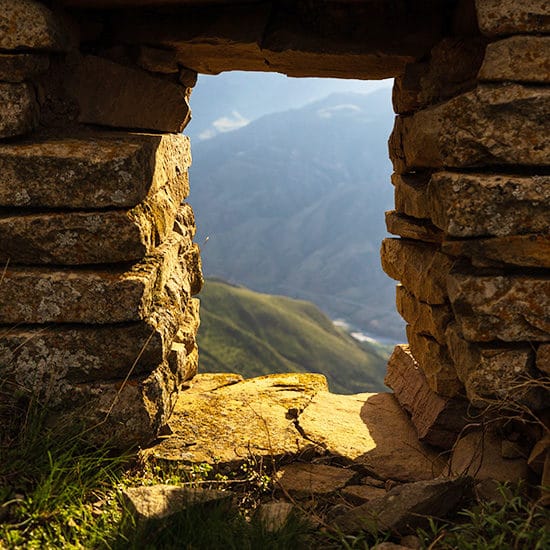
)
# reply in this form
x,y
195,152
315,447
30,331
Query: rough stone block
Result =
x,y
424,318
303,480
410,195
91,170
98,237
492,125
29,25
436,364
19,110
520,250
518,58
511,308
412,228
45,360
501,17
19,67
158,61
438,420
419,266
501,374
108,295
543,358
114,95
407,88
476,205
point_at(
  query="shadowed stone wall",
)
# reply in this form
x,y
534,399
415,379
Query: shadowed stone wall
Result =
x,y
96,237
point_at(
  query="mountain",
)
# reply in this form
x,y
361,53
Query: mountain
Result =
x,y
230,100
255,334
293,203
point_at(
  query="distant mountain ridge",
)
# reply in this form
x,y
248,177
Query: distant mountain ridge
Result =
x,y
255,334
294,202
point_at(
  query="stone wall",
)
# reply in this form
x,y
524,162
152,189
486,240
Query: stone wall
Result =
x,y
471,157
98,262
96,240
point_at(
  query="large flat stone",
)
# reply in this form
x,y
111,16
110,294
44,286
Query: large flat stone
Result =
x,y
108,295
19,67
474,205
370,431
496,374
305,480
29,25
424,318
115,95
494,125
97,237
519,250
19,110
438,420
512,308
435,362
518,58
92,170
502,17
224,419
421,267
410,195
412,228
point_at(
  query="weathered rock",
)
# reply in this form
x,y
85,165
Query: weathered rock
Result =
x,y
308,480
410,195
521,250
19,110
98,170
436,364
19,67
224,419
356,428
419,266
109,295
472,205
158,61
477,454
451,70
496,374
518,58
412,228
543,358
97,237
274,515
425,318
407,507
188,77
510,307
162,501
492,125
193,263
437,420
29,25
501,17
110,94
358,494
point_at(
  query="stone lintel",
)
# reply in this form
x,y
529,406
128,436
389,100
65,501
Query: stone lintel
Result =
x,y
503,17
493,125
90,170
425,318
438,420
477,205
108,295
421,267
505,307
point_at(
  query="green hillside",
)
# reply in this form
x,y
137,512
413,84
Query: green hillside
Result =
x,y
255,334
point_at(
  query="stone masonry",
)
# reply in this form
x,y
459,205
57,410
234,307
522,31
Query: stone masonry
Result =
x,y
96,240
